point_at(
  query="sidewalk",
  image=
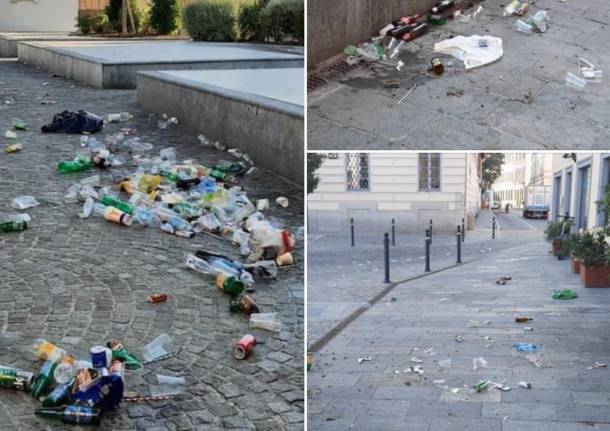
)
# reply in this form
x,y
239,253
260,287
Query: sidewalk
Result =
x,y
342,279
519,102
571,336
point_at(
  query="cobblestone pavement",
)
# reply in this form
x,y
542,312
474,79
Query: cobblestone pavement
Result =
x,y
341,278
82,282
501,102
570,336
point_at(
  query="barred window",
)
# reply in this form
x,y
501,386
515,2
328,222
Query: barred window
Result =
x,y
429,172
357,172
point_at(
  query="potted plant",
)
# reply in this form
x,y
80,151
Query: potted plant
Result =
x,y
575,248
593,252
553,232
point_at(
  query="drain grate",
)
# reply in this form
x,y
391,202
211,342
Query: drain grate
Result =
x,y
336,70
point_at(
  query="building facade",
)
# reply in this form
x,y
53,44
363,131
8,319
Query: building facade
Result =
x,y
577,185
521,170
38,15
413,188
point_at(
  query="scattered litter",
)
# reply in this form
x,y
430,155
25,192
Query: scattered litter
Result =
x,y
528,328
417,360
74,122
443,299
525,385
405,96
515,7
439,382
391,83
457,92
19,124
14,148
598,365
436,66
538,360
575,82
24,202
467,49
488,385
459,338
416,369
525,347
446,363
159,347
503,280
262,204
168,385
429,352
10,135
268,321
156,298
365,359
523,319
282,201
589,71
479,362
244,347
564,294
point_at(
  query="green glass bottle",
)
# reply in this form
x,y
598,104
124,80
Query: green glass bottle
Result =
x,y
72,414
13,226
121,354
59,395
218,174
44,379
77,165
110,201
229,284
172,176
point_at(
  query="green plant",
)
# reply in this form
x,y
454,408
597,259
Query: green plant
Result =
x,y
591,247
250,20
83,23
211,21
284,19
114,13
603,206
554,230
314,161
164,16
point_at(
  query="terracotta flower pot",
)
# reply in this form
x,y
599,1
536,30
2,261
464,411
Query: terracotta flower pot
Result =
x,y
556,247
575,265
595,275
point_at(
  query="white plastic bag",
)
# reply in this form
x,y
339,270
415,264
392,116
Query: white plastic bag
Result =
x,y
470,51
24,202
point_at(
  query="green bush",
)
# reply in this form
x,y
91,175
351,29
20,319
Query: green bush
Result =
x,y
209,21
113,12
164,16
88,24
285,19
250,20
554,231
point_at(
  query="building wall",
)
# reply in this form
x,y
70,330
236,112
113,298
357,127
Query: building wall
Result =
x,y
38,15
393,193
334,24
568,194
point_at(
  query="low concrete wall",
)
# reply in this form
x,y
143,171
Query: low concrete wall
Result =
x,y
273,137
8,48
116,75
333,24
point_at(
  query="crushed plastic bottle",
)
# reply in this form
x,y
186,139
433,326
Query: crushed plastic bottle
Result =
x,y
24,202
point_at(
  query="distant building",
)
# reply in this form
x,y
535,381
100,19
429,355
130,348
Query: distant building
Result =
x,y
519,171
411,188
577,185
38,15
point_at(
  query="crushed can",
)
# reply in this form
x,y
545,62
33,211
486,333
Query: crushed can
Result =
x,y
14,148
243,348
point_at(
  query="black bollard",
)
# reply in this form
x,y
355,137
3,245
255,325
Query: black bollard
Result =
x,y
493,228
393,232
459,244
430,231
463,230
351,221
427,250
386,249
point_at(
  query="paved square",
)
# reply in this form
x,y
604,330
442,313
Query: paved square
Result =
x,y
81,282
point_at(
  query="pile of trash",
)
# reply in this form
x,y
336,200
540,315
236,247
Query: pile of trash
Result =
x,y
79,391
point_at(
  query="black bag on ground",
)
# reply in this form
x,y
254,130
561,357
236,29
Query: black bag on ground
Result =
x,y
74,122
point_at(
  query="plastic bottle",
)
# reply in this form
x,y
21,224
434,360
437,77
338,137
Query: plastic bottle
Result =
x,y
145,217
119,117
117,203
77,165
179,223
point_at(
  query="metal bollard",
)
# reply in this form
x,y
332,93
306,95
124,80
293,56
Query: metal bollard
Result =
x,y
393,232
430,231
386,249
351,221
463,230
459,244
428,250
493,229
